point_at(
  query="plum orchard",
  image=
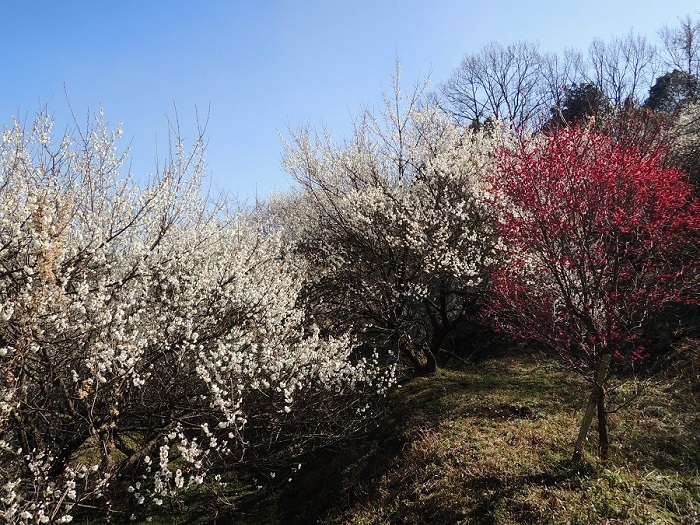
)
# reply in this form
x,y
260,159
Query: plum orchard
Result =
x,y
149,339
598,236
145,337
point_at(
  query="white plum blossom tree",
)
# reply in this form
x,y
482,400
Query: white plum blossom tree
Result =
x,y
685,141
394,225
146,337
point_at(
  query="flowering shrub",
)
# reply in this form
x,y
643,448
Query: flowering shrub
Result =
x,y
144,332
394,225
598,236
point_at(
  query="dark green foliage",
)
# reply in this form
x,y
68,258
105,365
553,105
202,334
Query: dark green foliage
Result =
x,y
672,91
582,102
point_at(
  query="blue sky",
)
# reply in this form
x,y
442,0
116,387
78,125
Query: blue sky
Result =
x,y
266,66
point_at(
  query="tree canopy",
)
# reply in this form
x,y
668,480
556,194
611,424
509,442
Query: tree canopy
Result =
x,y
598,236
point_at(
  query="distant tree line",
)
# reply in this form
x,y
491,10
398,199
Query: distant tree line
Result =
x,y
517,83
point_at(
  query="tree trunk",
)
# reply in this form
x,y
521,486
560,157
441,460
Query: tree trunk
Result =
x,y
430,365
585,425
410,354
603,443
436,341
422,360
597,399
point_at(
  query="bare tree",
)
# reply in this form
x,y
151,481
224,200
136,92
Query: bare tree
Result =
x,y
681,46
622,68
504,83
681,51
559,74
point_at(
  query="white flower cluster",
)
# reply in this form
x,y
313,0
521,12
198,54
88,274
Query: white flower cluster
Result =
x,y
686,133
50,500
394,222
139,319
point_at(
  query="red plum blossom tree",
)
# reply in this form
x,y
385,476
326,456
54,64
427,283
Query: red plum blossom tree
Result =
x,y
598,236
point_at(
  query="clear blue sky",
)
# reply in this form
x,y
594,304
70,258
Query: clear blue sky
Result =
x,y
265,66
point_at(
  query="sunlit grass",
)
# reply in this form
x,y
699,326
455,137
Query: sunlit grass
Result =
x,y
495,447
491,444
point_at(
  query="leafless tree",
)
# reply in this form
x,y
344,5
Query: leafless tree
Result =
x,y
504,83
559,73
623,68
681,51
681,46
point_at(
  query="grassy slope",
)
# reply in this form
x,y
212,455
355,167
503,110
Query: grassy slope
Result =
x,y
491,444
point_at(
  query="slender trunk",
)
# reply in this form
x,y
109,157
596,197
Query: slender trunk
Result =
x,y
436,342
597,399
603,442
583,432
441,326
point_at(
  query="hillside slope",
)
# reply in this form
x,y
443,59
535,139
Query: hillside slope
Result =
x,y
491,444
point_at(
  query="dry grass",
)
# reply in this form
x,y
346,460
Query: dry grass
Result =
x,y
491,444
496,451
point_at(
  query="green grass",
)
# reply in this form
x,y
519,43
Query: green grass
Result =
x,y
490,444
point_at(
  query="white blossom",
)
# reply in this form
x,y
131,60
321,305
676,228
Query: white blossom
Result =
x,y
394,223
120,299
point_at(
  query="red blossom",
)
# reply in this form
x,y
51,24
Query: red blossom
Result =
x,y
597,237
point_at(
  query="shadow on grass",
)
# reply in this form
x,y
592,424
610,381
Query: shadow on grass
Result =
x,y
335,480
419,466
674,444
498,493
